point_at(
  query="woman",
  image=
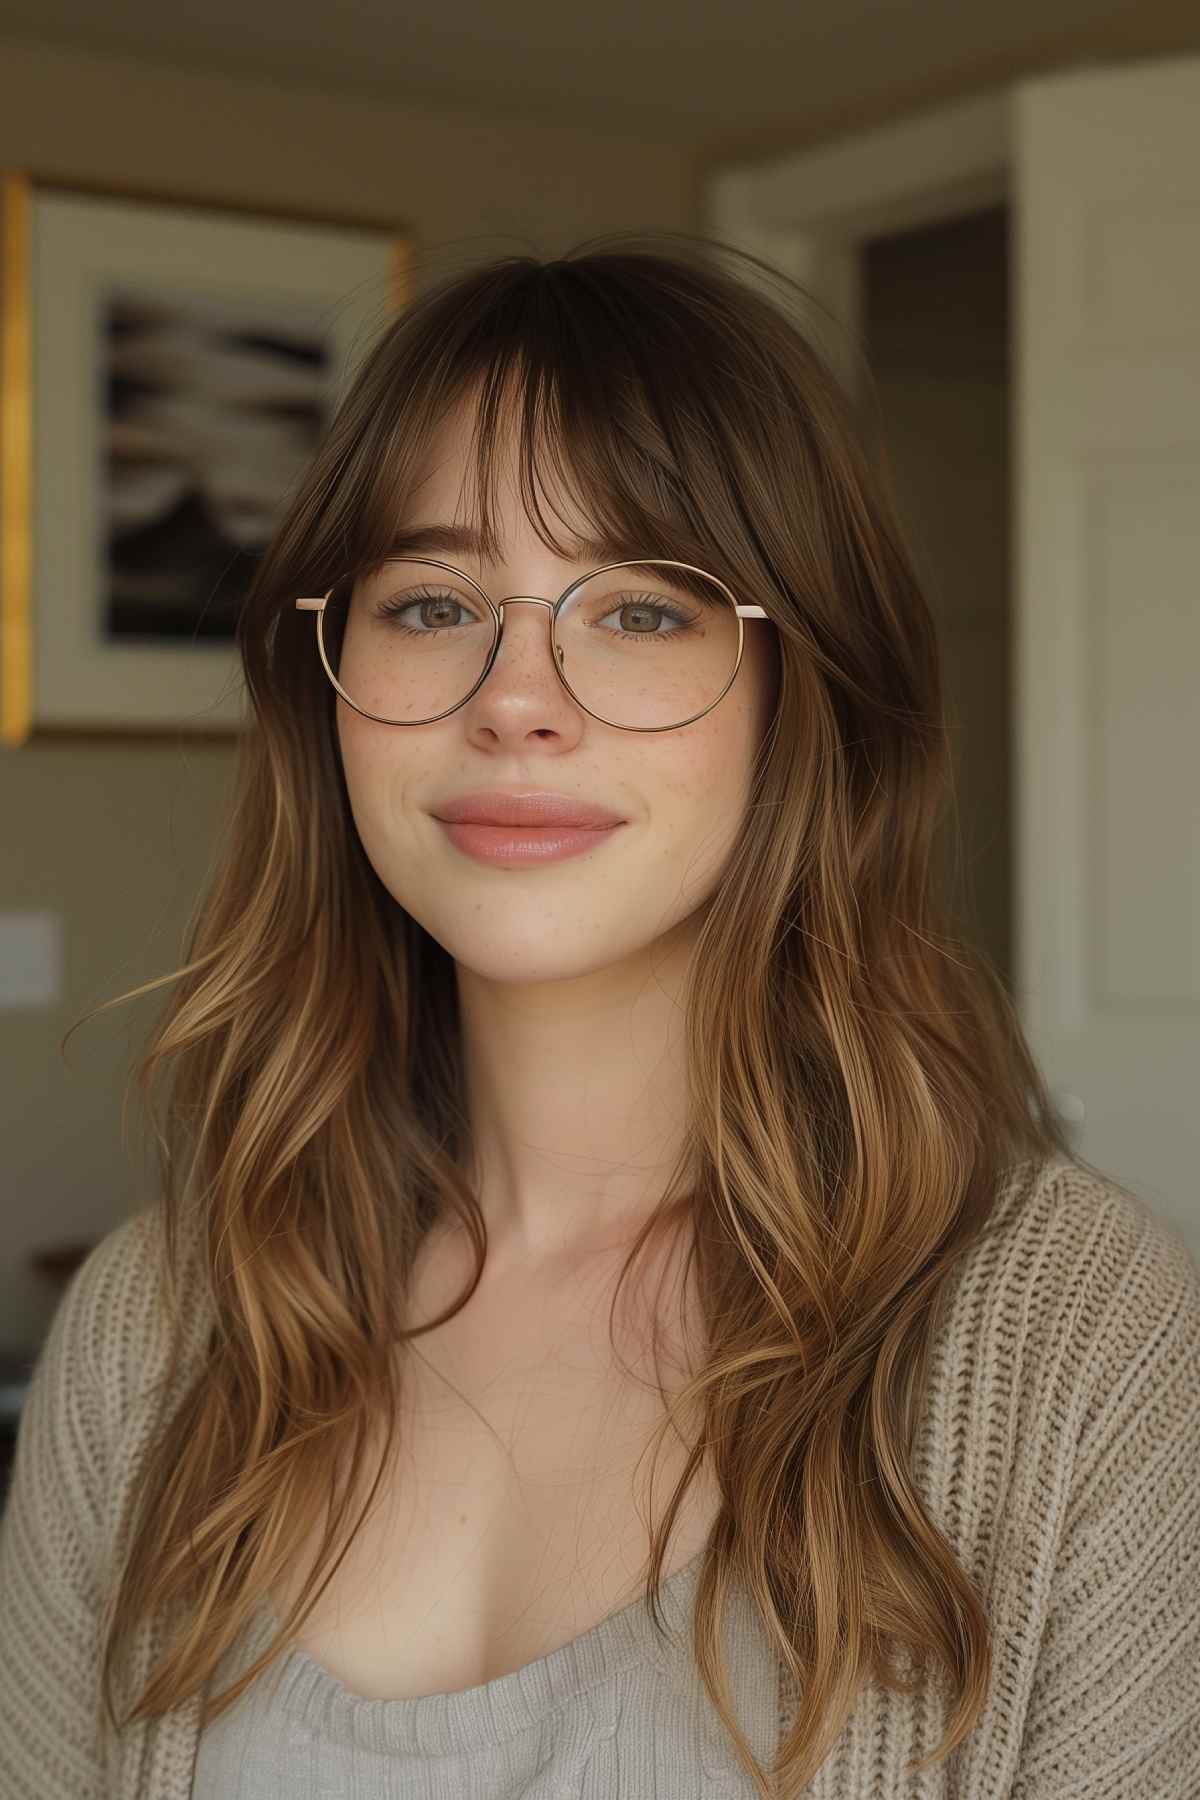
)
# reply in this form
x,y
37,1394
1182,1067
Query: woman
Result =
x,y
662,1206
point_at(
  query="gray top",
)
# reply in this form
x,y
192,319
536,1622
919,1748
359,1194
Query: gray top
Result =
x,y
614,1712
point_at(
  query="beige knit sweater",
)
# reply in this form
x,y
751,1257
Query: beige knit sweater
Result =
x,y
1059,1451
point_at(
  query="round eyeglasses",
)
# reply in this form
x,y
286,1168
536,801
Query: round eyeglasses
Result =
x,y
646,646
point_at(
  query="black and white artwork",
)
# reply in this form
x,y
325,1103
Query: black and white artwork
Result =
x,y
211,412
170,370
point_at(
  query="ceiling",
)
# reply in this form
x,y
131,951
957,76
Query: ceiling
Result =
x,y
706,75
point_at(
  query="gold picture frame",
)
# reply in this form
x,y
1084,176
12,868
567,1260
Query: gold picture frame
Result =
x,y
166,365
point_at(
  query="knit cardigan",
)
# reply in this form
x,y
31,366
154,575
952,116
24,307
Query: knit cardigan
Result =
x,y
1058,1451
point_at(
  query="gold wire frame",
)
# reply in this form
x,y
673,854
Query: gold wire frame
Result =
x,y
496,609
18,190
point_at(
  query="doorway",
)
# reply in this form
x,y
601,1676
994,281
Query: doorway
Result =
x,y
936,335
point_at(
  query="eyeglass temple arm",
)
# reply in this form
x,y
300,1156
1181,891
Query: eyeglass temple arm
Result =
x,y
743,612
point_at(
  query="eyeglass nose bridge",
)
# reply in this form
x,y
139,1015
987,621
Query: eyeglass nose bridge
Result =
x,y
525,600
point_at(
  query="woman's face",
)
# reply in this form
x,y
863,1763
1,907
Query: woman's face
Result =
x,y
681,794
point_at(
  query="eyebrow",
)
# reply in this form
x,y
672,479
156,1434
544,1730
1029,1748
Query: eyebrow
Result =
x,y
465,540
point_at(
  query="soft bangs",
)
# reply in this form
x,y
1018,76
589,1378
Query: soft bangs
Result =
x,y
571,401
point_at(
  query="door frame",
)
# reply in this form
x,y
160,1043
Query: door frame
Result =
x,y
811,211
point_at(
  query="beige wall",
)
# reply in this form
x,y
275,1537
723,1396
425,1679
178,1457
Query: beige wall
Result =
x,y
116,837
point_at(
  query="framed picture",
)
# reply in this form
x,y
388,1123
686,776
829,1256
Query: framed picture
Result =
x,y
166,371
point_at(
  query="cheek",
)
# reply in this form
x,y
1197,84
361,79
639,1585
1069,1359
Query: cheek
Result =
x,y
360,761
375,777
709,781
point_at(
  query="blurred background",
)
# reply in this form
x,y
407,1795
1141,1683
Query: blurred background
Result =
x,y
997,212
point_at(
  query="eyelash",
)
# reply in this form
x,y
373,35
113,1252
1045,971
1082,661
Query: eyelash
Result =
x,y
392,609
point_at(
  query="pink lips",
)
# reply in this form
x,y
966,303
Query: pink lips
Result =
x,y
530,826
527,843
524,808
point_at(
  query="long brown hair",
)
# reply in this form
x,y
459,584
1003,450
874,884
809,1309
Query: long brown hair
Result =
x,y
859,1086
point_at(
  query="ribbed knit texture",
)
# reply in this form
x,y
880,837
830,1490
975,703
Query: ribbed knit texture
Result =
x,y
1059,1452
615,1711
